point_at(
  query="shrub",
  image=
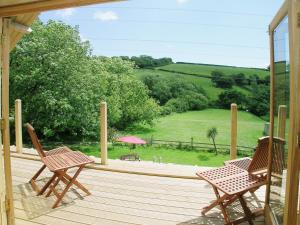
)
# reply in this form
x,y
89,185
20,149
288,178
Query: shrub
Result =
x,y
228,97
220,80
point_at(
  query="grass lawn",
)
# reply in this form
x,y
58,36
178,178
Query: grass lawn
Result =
x,y
167,155
207,69
183,126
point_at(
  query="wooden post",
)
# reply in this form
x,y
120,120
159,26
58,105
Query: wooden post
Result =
x,y
233,144
5,42
103,132
281,121
18,126
3,216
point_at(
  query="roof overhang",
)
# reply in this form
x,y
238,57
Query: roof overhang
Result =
x,y
24,12
15,7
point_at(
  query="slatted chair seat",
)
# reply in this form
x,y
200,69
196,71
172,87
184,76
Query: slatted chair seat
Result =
x,y
240,176
58,161
59,150
242,182
67,160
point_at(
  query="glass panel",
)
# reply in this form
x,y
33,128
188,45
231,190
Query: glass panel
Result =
x,y
281,119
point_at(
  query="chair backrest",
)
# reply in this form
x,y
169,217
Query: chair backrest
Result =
x,y
35,141
260,158
278,156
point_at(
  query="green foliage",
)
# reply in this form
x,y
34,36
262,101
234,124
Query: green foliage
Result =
x,y
61,85
228,97
145,61
258,103
211,134
240,79
176,95
221,81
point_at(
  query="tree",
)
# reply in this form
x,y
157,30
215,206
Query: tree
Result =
x,y
240,79
259,100
216,75
61,84
211,134
226,98
220,80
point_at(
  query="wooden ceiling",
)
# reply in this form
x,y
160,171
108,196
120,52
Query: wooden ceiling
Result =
x,y
26,11
16,7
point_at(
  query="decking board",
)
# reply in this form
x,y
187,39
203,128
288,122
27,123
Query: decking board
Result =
x,y
119,198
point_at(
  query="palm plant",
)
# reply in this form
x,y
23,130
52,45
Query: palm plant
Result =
x,y
211,134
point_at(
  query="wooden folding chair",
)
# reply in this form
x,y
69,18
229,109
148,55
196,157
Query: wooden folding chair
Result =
x,y
58,161
234,181
39,148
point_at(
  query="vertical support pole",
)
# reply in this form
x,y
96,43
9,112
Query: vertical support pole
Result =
x,y
281,121
103,132
233,144
18,126
3,217
5,116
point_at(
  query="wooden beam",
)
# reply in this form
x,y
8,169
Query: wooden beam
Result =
x,y
24,19
233,144
45,5
272,103
292,180
5,116
18,126
3,216
282,12
103,132
21,28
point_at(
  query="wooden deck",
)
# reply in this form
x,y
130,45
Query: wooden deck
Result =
x,y
119,198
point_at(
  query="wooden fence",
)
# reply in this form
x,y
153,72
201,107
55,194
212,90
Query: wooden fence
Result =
x,y
204,146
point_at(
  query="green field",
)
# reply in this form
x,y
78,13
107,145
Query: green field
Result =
x,y
207,69
205,83
183,126
164,154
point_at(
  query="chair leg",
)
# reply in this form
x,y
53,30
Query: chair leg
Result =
x,y
76,183
213,204
67,187
38,173
33,179
221,204
247,211
59,177
42,191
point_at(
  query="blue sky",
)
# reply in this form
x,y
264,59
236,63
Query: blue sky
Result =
x,y
227,32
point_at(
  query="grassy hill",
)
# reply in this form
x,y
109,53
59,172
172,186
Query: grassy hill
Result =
x,y
183,126
205,83
205,70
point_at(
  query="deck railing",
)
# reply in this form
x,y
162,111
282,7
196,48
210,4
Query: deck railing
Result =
x,y
231,148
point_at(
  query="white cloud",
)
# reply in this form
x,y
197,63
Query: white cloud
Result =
x,y
106,16
66,13
181,1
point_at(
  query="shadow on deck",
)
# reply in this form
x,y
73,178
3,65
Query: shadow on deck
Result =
x,y
119,198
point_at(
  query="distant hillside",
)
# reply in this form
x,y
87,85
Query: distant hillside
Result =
x,y
203,82
206,69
